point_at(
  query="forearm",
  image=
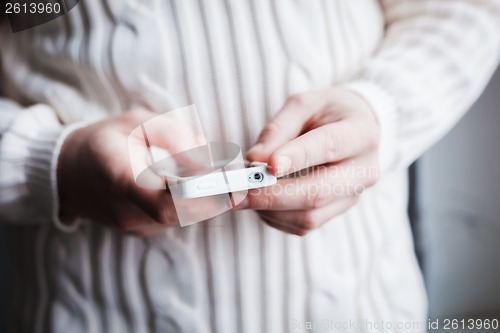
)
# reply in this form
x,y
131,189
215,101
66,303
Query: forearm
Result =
x,y
29,144
434,61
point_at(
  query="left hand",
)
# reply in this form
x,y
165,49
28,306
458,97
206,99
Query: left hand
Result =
x,y
332,137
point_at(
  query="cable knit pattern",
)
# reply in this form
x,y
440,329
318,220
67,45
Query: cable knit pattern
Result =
x,y
419,63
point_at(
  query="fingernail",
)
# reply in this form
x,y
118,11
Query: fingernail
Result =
x,y
258,147
284,164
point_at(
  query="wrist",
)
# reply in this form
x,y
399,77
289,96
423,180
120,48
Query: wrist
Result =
x,y
66,157
384,108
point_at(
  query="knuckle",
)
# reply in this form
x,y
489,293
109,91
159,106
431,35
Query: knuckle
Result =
x,y
307,221
138,116
138,233
260,202
300,155
317,200
333,145
355,199
301,232
171,217
134,115
267,220
351,201
268,202
271,128
269,131
164,214
273,222
296,100
372,177
359,189
161,217
129,226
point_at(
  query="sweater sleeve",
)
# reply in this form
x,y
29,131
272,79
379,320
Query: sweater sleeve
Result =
x,y
30,140
434,61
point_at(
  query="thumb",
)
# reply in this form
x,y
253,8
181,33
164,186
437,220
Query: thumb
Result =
x,y
285,126
274,135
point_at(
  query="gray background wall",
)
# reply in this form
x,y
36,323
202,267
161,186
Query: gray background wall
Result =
x,y
4,282
459,193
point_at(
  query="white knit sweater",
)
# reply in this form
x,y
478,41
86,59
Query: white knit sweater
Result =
x,y
419,63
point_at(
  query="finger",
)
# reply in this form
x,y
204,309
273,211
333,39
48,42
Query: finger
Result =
x,y
286,125
158,136
302,221
319,187
164,131
157,204
147,230
283,227
128,217
160,206
327,144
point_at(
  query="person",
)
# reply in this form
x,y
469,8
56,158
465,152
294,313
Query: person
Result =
x,y
351,91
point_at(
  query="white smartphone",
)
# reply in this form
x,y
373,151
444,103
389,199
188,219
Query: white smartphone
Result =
x,y
254,175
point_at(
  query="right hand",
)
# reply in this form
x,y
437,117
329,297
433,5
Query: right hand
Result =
x,y
96,181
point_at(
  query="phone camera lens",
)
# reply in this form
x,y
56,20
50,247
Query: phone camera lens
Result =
x,y
256,177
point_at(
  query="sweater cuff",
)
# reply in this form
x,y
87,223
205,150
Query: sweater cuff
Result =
x,y
385,109
41,171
